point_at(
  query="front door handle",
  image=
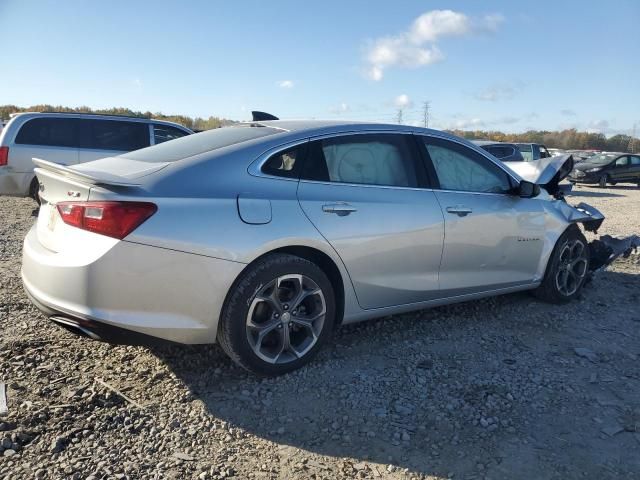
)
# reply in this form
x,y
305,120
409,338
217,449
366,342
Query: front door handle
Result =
x,y
340,209
459,210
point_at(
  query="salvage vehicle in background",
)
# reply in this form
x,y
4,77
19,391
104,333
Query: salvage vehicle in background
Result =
x,y
71,138
507,152
266,236
607,169
533,151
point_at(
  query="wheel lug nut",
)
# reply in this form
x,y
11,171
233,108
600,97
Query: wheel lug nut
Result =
x,y
276,315
285,306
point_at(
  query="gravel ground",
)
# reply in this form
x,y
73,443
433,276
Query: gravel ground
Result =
x,y
501,388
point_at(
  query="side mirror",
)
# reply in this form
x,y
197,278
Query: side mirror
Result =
x,y
528,189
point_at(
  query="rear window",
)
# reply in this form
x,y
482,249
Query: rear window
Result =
x,y
199,143
114,135
499,151
164,133
55,132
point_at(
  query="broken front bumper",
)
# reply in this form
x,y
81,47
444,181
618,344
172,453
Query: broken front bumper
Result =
x,y
605,249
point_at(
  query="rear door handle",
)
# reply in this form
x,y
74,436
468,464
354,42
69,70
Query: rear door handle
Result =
x,y
340,209
459,210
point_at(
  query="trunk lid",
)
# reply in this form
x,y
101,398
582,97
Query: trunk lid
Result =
x,y
59,183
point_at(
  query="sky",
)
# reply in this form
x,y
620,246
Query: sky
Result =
x,y
491,65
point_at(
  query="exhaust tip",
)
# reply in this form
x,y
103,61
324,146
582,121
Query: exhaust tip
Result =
x,y
74,327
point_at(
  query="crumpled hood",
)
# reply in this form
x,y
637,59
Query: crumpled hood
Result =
x,y
546,172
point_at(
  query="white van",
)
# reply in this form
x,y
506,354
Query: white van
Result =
x,y
70,138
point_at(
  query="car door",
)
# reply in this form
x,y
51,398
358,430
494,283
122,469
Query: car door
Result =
x,y
364,193
634,169
100,138
493,239
620,170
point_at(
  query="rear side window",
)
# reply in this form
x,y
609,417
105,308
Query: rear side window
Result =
x,y
114,135
461,169
635,160
285,164
371,159
55,132
164,133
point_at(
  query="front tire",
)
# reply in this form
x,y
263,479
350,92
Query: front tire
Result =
x,y
278,315
567,269
602,183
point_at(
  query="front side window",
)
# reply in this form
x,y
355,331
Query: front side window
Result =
x,y
55,132
164,133
622,162
114,135
370,159
459,168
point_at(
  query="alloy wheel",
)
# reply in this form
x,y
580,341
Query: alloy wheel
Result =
x,y
285,318
572,267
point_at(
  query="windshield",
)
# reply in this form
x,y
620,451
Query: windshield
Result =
x,y
601,159
199,143
526,150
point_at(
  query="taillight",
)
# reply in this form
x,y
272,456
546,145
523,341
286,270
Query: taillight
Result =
x,y
4,156
114,219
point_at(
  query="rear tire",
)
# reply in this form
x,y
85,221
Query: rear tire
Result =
x,y
34,188
602,183
277,315
567,270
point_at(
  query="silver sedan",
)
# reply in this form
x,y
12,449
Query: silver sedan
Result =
x,y
266,236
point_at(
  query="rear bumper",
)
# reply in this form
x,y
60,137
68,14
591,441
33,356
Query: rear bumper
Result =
x,y
14,183
152,291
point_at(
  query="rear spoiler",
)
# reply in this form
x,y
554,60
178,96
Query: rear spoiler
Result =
x,y
92,178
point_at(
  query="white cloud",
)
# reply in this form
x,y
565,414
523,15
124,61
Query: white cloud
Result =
x,y
403,101
474,123
416,47
342,108
500,91
599,126
285,84
137,82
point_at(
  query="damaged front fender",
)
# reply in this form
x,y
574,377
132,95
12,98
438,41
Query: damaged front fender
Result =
x,y
590,217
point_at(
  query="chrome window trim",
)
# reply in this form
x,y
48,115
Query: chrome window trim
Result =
x,y
255,168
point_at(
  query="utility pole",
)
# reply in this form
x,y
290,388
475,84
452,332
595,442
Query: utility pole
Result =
x,y
399,116
425,119
632,140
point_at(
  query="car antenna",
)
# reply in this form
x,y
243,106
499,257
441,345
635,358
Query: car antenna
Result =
x,y
262,116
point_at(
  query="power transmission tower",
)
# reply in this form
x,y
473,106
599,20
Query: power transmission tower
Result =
x,y
425,119
399,116
632,140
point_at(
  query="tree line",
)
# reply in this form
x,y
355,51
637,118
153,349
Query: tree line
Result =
x,y
194,123
569,139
